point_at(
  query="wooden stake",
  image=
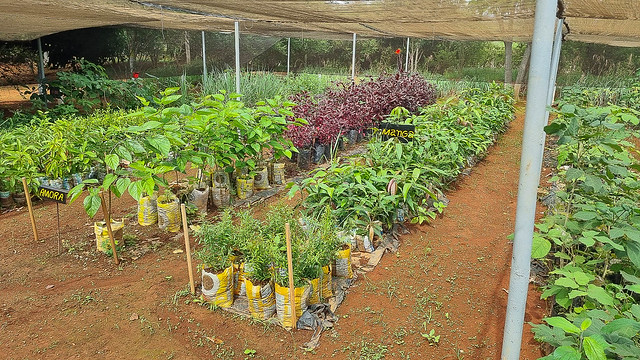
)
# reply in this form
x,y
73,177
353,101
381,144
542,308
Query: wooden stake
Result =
x,y
107,219
371,234
187,247
59,239
292,294
31,216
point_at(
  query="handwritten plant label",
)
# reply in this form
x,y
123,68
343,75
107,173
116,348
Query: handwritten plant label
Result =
x,y
404,133
49,193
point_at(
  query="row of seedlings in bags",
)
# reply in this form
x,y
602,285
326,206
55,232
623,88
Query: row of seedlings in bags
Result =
x,y
395,181
244,262
141,151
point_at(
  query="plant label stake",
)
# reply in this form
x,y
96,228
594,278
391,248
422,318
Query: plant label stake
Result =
x,y
403,132
187,247
49,193
107,219
292,296
33,219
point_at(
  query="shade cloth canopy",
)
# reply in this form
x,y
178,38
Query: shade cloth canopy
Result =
x,y
614,22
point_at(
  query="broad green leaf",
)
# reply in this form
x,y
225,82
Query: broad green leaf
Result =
x,y
633,252
575,293
581,278
563,353
624,326
599,294
92,204
121,186
152,124
149,186
568,109
405,190
562,323
585,324
630,278
416,174
108,180
574,174
593,349
585,215
566,282
112,161
135,189
540,247
161,144
124,153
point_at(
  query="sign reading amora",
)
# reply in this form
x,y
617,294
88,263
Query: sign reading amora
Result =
x,y
49,193
404,133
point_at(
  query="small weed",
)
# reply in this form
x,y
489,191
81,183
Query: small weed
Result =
x,y
250,353
372,351
431,337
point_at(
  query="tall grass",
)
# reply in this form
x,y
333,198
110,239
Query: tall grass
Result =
x,y
258,86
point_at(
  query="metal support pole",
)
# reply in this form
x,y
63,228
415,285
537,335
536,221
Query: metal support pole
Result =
x,y
237,34
530,166
353,59
204,61
406,62
41,90
288,55
555,62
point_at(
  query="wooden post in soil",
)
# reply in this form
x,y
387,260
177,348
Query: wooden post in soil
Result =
x,y
292,295
107,219
31,216
187,247
371,234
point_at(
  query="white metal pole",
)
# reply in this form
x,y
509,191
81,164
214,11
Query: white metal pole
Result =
x,y
353,59
555,62
41,90
237,33
406,62
288,55
204,61
530,166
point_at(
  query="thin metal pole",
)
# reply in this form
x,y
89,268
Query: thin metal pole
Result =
x,y
237,33
353,59
530,166
204,60
41,90
59,239
406,62
288,55
555,61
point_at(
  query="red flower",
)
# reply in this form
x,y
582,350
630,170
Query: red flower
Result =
x,y
397,51
136,75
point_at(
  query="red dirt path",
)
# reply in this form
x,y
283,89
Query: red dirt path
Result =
x,y
450,276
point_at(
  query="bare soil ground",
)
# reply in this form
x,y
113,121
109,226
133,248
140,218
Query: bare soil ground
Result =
x,y
450,276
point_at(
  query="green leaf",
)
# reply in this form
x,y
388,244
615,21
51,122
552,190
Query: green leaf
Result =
x,y
405,190
562,323
540,247
124,153
585,324
149,186
112,161
585,215
574,174
633,252
593,349
599,294
625,327
161,144
398,151
92,204
121,186
108,180
135,189
149,125
563,353
566,282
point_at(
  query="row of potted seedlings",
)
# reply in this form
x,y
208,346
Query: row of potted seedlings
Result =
x,y
244,261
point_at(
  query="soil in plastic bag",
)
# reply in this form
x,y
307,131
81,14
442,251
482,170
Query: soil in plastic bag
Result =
x,y
283,305
169,214
245,187
261,180
321,287
102,234
261,299
277,174
147,210
199,198
342,267
218,288
305,158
